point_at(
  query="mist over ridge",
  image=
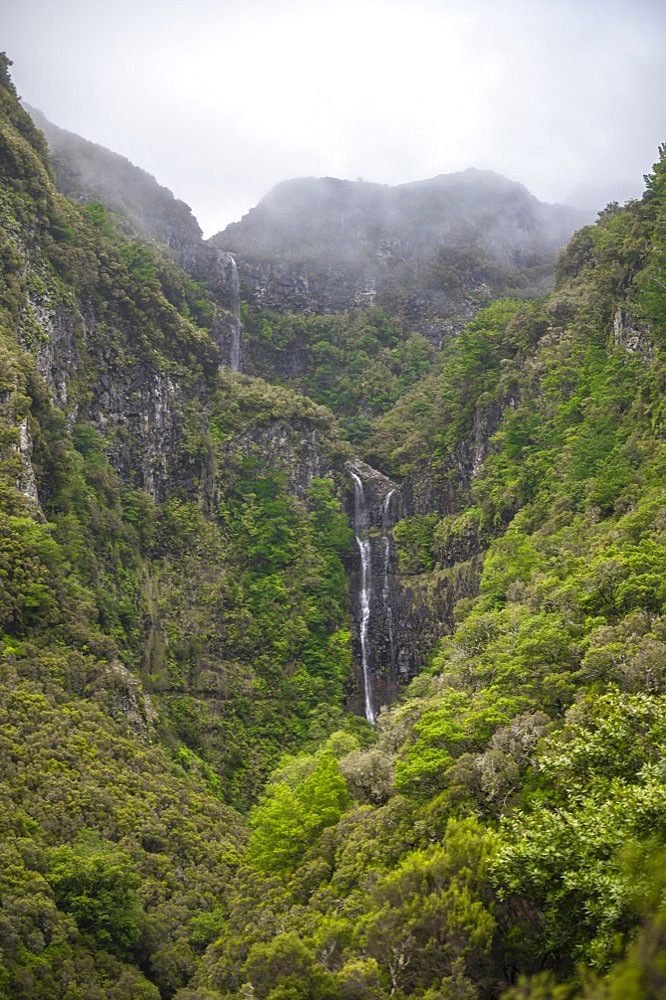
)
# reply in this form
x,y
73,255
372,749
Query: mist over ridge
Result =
x,y
302,206
564,97
425,212
432,251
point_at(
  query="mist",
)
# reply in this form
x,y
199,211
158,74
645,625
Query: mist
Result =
x,y
221,101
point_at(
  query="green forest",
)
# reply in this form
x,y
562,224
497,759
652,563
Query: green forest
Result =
x,y
192,803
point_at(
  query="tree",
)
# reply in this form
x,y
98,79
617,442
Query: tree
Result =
x,y
95,882
287,821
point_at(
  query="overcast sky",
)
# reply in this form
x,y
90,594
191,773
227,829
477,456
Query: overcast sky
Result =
x,y
220,101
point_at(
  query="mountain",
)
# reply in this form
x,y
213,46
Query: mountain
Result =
x,y
145,210
87,172
355,700
433,251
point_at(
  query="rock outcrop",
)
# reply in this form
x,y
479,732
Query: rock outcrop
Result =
x,y
397,615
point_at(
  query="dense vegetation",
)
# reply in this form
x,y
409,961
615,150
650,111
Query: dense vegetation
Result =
x,y
357,364
159,649
171,633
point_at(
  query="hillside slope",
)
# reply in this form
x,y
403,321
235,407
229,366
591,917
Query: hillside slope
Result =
x,y
173,610
87,172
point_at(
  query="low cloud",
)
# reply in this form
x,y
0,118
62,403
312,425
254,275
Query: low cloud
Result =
x,y
221,101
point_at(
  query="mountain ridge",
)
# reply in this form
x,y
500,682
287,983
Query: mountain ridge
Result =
x,y
432,251
350,243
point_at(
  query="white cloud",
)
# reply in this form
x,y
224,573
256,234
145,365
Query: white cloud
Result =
x,y
223,100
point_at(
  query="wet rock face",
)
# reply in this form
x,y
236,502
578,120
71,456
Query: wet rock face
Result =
x,y
410,609
139,412
393,628
294,448
370,587
216,269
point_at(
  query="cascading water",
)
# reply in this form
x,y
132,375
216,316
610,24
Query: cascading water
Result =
x,y
386,591
235,339
361,524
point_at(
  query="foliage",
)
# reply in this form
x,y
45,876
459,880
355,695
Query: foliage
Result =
x,y
357,364
537,730
95,883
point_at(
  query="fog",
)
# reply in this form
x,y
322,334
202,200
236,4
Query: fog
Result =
x,y
221,101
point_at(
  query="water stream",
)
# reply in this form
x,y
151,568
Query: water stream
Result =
x,y
361,524
235,341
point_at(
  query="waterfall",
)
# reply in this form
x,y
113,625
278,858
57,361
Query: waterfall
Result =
x,y
386,592
361,523
235,340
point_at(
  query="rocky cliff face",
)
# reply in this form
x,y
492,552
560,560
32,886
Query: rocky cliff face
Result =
x,y
136,406
89,173
407,606
216,270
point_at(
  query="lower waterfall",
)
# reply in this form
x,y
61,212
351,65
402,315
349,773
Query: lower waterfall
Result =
x,y
361,524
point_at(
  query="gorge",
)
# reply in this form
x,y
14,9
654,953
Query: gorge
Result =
x,y
332,605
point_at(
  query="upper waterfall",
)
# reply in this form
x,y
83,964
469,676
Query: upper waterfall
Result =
x,y
235,327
